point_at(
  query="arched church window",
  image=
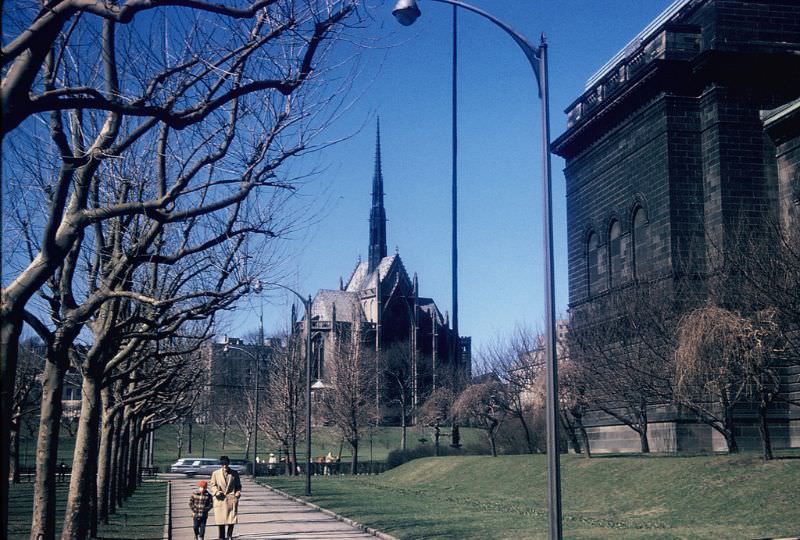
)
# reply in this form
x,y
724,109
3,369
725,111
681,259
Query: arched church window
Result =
x,y
596,265
615,256
641,243
318,358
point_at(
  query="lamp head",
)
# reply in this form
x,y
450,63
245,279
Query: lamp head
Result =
x,y
406,12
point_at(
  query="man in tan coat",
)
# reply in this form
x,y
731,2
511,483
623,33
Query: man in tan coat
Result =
x,y
226,488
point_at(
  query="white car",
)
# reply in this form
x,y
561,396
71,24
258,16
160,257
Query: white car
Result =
x,y
191,466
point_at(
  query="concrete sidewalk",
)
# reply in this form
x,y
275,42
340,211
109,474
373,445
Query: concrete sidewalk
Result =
x,y
263,514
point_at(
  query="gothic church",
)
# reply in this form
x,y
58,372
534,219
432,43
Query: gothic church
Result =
x,y
385,302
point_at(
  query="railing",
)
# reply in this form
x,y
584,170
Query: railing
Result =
x,y
325,469
674,42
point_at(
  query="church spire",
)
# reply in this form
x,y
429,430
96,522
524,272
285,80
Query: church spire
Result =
x,y
377,215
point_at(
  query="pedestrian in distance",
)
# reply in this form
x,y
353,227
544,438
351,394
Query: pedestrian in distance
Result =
x,y
272,464
226,488
200,503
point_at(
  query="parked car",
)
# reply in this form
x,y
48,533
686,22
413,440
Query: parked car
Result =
x,y
191,466
240,465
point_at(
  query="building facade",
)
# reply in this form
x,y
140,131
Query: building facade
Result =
x,y
686,136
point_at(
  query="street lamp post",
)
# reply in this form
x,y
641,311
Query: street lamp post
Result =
x,y
307,306
406,12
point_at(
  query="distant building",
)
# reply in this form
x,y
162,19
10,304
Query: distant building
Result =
x,y
230,370
687,133
386,303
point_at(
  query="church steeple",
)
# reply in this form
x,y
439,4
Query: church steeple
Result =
x,y
377,215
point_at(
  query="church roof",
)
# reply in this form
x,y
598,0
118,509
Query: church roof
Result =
x,y
429,306
347,305
361,279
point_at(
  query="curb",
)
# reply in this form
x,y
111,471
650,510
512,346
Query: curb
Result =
x,y
168,513
354,524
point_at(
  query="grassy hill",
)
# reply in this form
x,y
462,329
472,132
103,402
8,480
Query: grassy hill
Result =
x,y
476,497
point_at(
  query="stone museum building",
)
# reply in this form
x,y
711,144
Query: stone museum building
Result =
x,y
687,135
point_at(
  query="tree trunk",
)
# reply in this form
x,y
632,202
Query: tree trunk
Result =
x,y
294,458
404,428
139,457
205,433
527,430
122,464
14,464
730,436
43,521
104,456
116,453
766,442
133,458
490,434
571,431
10,329
179,438
354,460
247,439
584,435
77,516
642,413
189,445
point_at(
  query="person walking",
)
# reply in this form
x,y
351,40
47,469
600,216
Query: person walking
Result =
x,y
200,503
226,487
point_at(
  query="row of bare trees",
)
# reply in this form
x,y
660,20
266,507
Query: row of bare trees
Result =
x,y
709,346
145,150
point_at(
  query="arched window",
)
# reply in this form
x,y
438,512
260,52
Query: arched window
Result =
x,y
318,357
596,265
641,243
615,256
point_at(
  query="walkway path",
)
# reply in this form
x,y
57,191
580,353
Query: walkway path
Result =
x,y
263,514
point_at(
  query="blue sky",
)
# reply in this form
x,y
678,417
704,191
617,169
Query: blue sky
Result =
x,y
405,79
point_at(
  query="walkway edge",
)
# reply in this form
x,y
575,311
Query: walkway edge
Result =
x,y
355,524
168,513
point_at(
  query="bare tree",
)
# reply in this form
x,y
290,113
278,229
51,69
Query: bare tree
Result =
x,y
187,102
485,404
518,363
349,402
26,396
624,361
437,410
284,396
722,359
400,375
573,404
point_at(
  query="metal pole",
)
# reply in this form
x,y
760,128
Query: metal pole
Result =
x,y
456,347
553,464
407,12
257,359
308,396
255,418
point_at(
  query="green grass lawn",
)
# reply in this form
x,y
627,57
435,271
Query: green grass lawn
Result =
x,y
324,439
141,518
475,497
